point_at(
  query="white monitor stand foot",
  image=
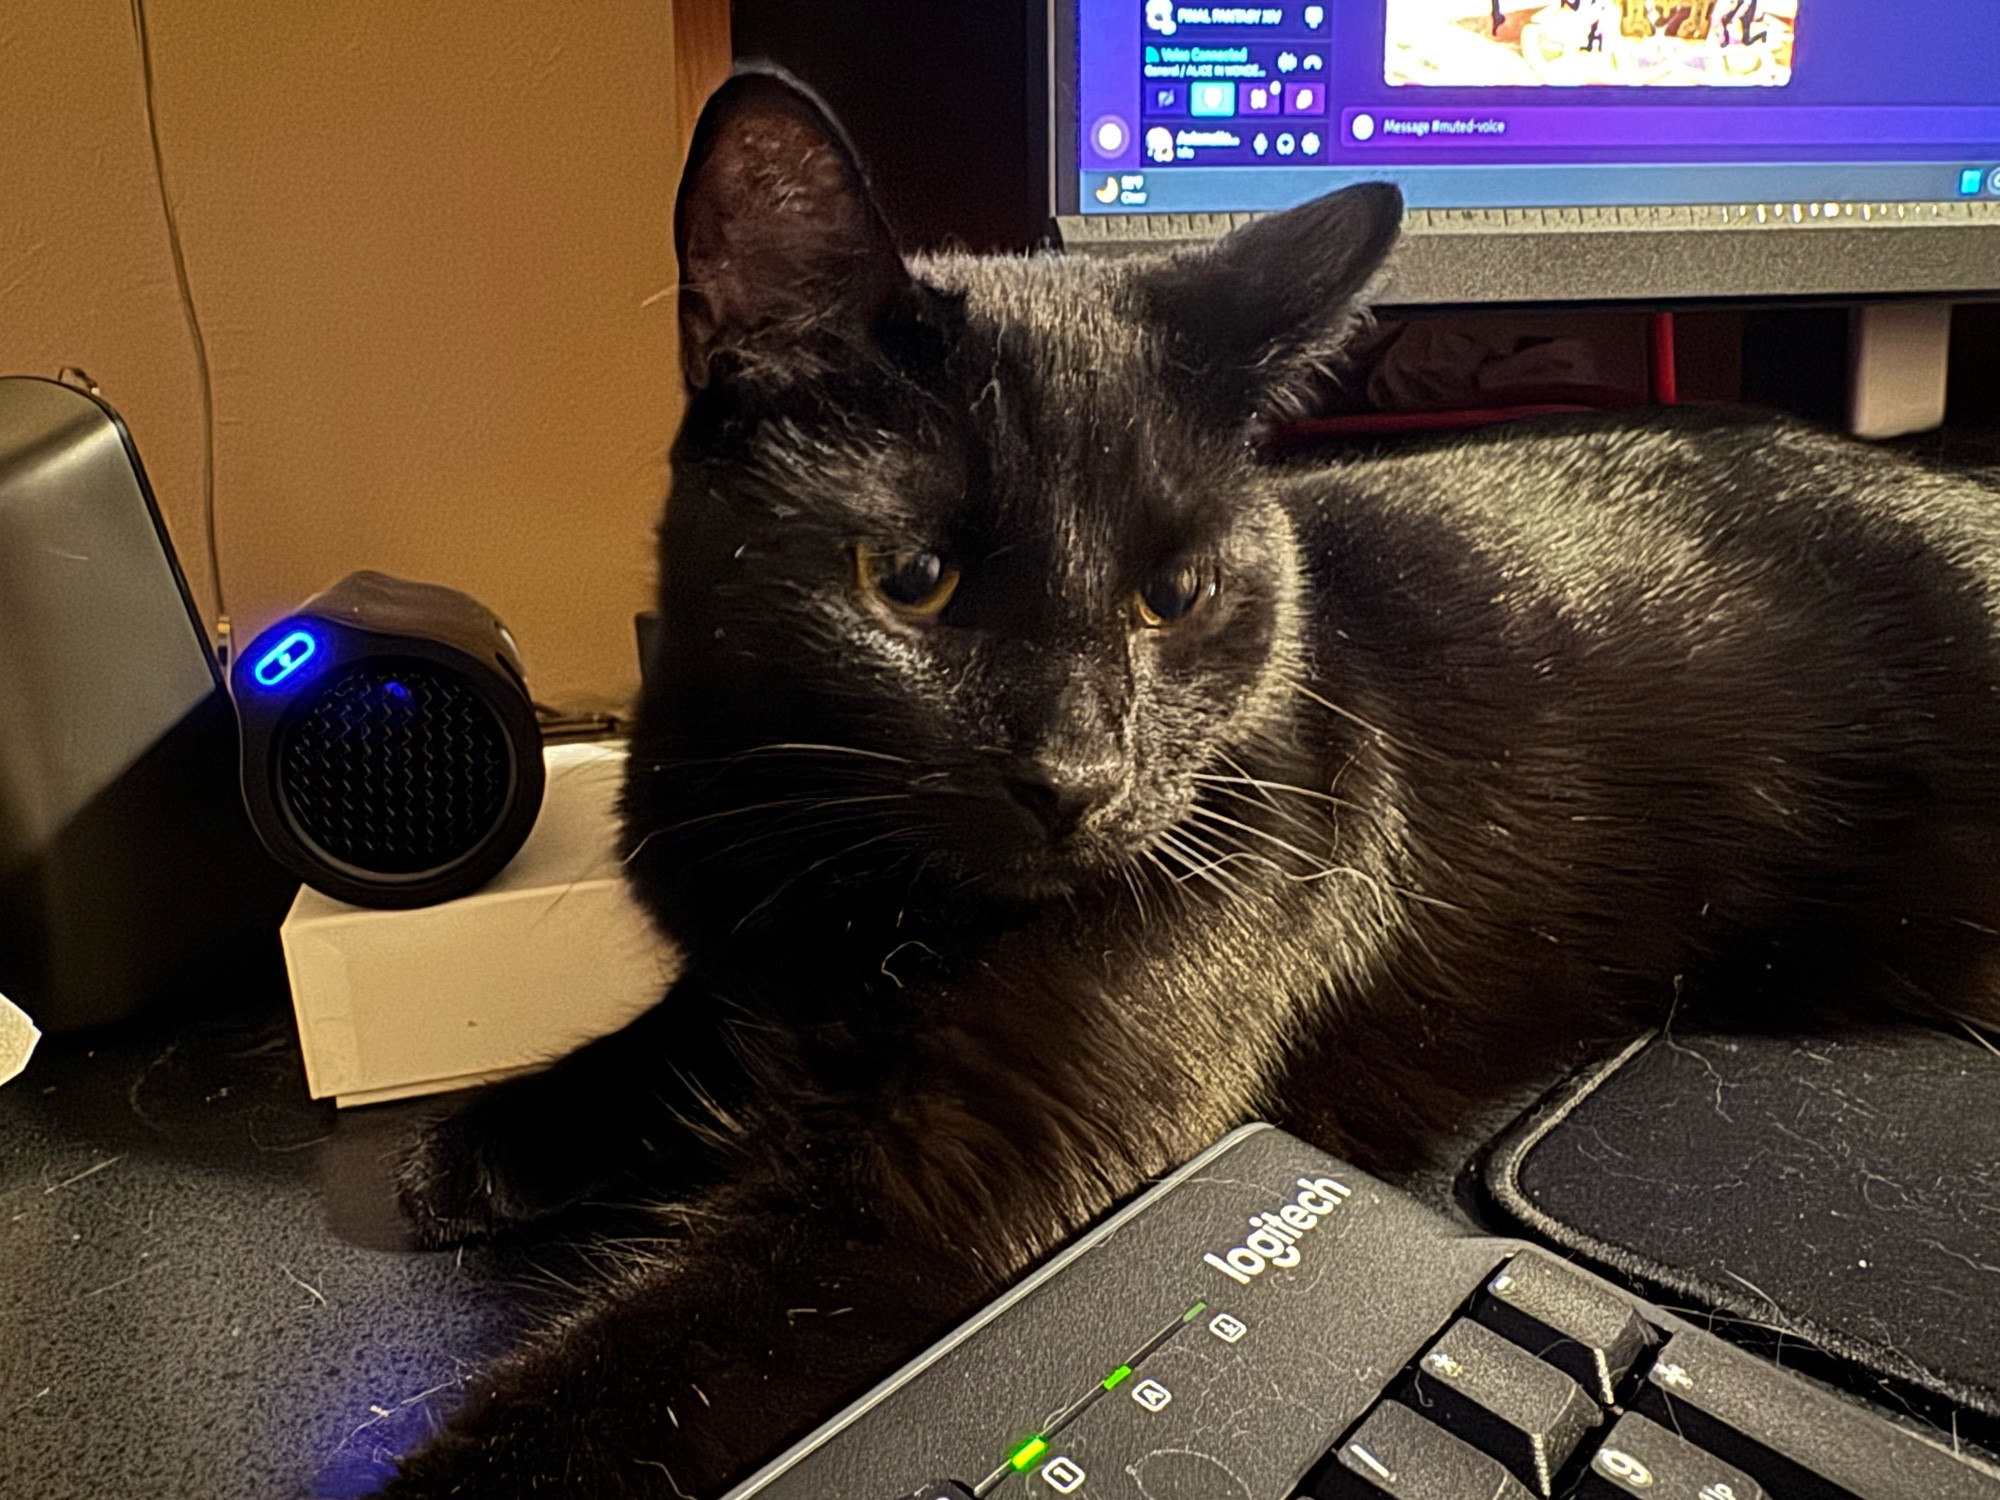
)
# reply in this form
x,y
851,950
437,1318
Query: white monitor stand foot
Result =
x,y
1897,356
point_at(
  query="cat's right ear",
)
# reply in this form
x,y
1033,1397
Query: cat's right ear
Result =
x,y
1255,319
781,246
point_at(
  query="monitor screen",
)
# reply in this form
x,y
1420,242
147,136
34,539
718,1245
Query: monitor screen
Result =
x,y
1497,104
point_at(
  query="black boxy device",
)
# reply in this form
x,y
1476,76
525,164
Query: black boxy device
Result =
x,y
391,756
128,872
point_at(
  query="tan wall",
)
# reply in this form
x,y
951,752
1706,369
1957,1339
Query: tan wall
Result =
x,y
430,247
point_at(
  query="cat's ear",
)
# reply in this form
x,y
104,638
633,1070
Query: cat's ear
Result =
x,y
781,245
1253,318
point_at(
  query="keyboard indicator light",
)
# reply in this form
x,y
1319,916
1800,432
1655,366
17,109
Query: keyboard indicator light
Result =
x,y
1117,1377
1151,1394
1194,1312
1023,1458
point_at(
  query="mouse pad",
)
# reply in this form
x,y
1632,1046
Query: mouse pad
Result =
x,y
1846,1190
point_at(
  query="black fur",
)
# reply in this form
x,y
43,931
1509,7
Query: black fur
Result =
x,y
1481,751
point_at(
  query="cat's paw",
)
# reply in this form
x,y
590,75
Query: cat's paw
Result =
x,y
463,1178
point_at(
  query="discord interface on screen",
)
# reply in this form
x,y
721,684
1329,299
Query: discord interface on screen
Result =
x,y
1536,103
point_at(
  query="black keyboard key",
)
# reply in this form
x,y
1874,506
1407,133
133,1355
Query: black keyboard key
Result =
x,y
1396,1452
1797,1440
1580,1326
1503,1400
1640,1458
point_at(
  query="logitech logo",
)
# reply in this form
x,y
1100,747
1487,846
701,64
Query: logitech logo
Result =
x,y
1275,1238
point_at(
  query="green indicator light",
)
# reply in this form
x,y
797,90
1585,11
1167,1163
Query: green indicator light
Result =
x,y
1194,1312
1111,1381
1023,1458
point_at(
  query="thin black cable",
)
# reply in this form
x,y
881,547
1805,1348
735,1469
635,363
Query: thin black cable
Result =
x,y
194,331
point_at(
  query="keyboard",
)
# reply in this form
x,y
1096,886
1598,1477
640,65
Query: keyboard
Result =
x,y
1269,1323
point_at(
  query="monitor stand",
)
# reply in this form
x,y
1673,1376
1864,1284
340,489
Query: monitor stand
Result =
x,y
1897,354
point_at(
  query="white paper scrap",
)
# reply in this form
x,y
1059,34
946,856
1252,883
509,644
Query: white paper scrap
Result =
x,y
17,1039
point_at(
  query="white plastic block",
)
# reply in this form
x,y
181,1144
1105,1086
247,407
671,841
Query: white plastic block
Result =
x,y
550,954
1900,352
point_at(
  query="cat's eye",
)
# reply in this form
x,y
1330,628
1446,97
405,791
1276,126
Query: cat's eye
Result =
x,y
1172,594
913,583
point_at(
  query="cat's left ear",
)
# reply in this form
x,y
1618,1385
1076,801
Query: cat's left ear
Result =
x,y
781,245
1251,319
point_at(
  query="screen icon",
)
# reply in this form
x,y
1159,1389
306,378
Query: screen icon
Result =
x,y
1993,182
1968,181
1062,1476
1216,101
1109,192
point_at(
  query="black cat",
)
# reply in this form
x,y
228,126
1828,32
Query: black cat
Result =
x,y
1041,783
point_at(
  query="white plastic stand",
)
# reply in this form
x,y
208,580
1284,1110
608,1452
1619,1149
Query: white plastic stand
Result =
x,y
552,952
1898,353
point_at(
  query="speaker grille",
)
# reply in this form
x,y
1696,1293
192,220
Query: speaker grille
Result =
x,y
395,768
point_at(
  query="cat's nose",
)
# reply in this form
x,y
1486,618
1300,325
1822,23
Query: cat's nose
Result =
x,y
1059,797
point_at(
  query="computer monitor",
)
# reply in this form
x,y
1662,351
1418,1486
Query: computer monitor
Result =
x,y
1554,151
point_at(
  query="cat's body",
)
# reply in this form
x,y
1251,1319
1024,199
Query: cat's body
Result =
x,y
1041,784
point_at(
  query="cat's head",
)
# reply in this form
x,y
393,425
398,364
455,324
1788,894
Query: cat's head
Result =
x,y
969,567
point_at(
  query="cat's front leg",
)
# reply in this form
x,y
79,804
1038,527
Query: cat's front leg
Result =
x,y
745,1326
626,1105
1060,1078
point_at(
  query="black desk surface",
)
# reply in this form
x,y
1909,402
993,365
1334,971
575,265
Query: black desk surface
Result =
x,y
203,1289
204,1285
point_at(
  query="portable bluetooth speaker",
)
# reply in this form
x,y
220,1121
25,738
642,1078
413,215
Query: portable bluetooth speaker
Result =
x,y
390,752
